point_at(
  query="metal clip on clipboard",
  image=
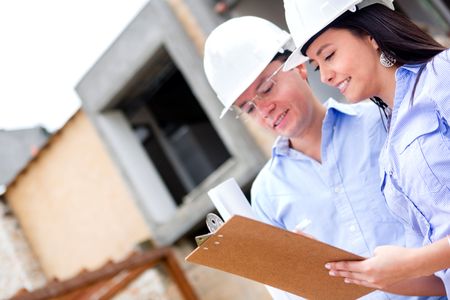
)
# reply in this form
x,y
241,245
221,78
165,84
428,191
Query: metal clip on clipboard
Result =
x,y
213,222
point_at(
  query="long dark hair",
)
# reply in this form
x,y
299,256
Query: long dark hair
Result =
x,y
394,33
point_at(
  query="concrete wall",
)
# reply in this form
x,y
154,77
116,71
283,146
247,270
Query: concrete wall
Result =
x,y
164,33
17,147
73,205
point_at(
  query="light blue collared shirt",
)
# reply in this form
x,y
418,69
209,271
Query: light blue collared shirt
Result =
x,y
339,198
415,162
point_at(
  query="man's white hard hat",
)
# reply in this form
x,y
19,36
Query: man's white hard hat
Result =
x,y
306,18
236,53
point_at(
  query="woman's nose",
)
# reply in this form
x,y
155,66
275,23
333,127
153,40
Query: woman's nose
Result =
x,y
326,75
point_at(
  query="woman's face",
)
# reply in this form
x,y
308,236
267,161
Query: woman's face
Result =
x,y
348,62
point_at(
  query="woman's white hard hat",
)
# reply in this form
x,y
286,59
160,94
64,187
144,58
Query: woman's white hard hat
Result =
x,y
236,53
306,18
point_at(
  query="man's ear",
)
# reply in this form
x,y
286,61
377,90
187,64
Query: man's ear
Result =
x,y
302,71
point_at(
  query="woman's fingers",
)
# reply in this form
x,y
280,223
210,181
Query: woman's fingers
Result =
x,y
350,266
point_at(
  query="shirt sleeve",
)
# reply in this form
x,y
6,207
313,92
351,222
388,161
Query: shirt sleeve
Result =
x,y
440,164
261,202
440,68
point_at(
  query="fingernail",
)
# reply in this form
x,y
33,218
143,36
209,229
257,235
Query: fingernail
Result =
x,y
327,266
332,273
346,280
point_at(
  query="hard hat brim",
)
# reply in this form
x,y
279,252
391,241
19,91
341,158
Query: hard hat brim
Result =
x,y
294,60
224,111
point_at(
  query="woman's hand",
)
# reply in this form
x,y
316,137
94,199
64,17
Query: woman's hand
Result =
x,y
389,265
392,264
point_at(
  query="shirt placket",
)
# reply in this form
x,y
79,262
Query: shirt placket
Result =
x,y
337,185
388,155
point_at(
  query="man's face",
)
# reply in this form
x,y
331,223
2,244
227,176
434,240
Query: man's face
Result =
x,y
280,101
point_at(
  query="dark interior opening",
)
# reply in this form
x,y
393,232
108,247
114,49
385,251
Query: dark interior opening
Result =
x,y
174,130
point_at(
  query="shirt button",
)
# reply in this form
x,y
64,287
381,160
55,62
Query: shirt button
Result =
x,y
339,189
352,228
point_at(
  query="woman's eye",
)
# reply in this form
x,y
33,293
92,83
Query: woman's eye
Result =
x,y
314,65
328,57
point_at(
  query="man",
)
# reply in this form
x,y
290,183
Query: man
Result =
x,y
320,179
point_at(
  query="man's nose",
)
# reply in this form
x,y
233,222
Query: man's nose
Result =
x,y
265,109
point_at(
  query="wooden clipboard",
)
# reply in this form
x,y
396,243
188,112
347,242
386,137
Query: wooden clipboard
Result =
x,y
276,257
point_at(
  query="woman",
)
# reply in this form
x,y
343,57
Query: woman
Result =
x,y
373,52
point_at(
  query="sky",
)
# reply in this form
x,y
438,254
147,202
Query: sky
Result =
x,y
46,48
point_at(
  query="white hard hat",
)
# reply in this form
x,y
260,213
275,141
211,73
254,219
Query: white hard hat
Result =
x,y
306,18
236,53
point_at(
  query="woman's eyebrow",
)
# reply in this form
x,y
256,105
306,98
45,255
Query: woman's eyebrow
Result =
x,y
319,51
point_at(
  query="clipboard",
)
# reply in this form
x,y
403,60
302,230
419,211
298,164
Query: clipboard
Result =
x,y
276,257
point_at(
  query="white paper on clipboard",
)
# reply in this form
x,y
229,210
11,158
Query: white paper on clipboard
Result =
x,y
229,200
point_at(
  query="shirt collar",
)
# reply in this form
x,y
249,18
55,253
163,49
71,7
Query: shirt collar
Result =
x,y
343,108
281,145
414,68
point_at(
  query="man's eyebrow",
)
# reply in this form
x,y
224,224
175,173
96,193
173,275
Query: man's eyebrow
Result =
x,y
262,80
242,104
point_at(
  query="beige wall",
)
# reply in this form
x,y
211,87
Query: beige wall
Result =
x,y
73,205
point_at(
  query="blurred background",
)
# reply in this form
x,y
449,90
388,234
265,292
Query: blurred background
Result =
x,y
110,140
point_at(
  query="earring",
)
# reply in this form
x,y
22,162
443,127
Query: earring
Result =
x,y
387,60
